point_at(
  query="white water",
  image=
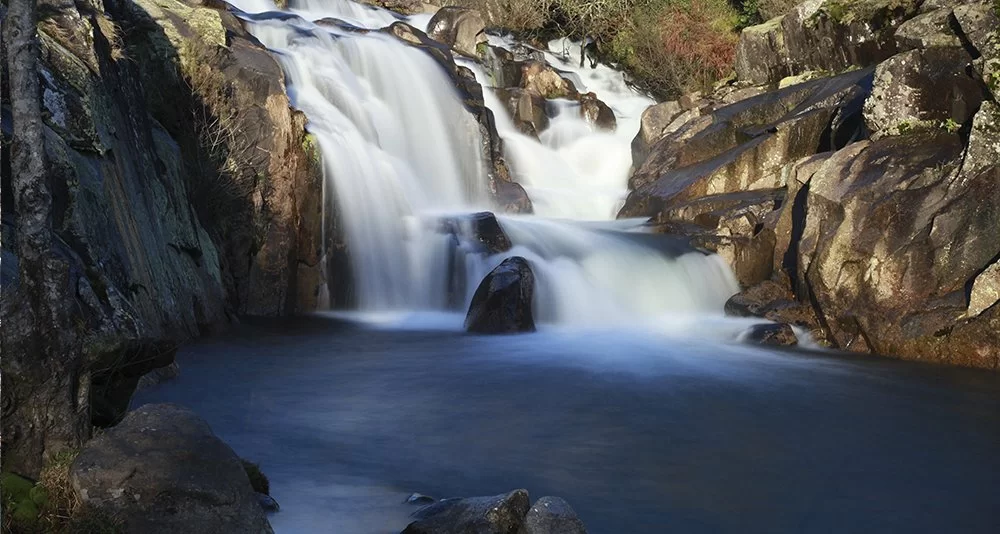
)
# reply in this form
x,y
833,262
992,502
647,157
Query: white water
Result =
x,y
400,151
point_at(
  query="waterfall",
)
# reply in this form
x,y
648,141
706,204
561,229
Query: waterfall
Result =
x,y
401,152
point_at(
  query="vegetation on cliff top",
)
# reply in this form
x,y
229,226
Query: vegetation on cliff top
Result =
x,y
668,46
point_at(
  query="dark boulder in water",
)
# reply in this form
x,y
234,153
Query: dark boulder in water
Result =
x,y
502,303
771,334
499,514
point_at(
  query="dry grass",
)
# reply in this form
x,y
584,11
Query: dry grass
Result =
x,y
62,512
226,175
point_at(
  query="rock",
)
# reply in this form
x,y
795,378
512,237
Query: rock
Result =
x,y
922,89
771,334
504,66
419,498
403,7
892,234
761,56
979,23
822,35
552,515
653,127
731,225
773,301
596,112
267,503
526,108
482,228
500,514
745,145
158,376
502,302
985,290
163,470
933,29
984,140
462,29
539,77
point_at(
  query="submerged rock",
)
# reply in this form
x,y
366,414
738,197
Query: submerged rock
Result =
x,y
502,302
162,470
499,514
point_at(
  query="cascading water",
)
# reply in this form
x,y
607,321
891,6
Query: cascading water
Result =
x,y
401,151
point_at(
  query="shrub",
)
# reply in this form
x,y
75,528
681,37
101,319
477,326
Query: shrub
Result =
x,y
775,8
258,480
674,46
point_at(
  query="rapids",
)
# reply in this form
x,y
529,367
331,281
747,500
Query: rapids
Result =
x,y
401,152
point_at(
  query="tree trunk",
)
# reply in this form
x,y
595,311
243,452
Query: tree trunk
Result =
x,y
45,392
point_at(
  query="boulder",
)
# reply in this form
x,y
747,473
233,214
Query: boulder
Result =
x,y
526,109
822,35
597,112
891,235
552,515
922,89
745,145
499,514
502,302
653,126
482,228
761,56
403,7
984,140
461,28
504,66
539,77
933,29
985,291
773,301
163,470
736,226
771,334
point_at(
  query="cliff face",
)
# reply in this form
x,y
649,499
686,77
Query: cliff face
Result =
x,y
185,189
848,175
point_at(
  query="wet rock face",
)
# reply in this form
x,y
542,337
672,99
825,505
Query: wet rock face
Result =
x,y
526,109
163,470
481,227
502,302
500,514
460,28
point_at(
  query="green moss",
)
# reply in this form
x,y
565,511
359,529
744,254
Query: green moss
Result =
x,y
310,145
950,125
257,478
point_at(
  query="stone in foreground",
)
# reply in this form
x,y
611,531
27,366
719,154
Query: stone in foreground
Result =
x,y
162,470
552,515
502,302
499,514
